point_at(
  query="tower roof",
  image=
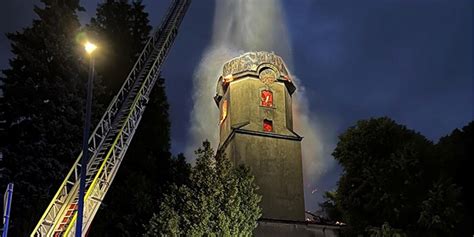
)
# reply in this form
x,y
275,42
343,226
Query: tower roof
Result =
x,y
252,61
255,64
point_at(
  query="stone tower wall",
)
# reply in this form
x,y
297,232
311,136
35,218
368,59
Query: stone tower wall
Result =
x,y
274,157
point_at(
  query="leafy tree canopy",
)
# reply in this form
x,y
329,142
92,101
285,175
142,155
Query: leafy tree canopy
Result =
x,y
329,209
218,200
122,28
392,175
148,167
456,152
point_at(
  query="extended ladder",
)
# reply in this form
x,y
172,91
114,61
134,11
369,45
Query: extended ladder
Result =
x,y
112,136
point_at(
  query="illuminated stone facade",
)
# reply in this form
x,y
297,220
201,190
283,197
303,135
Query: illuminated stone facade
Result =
x,y
254,95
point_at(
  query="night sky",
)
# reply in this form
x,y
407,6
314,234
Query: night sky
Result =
x,y
410,60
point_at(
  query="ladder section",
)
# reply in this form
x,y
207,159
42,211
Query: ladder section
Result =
x,y
113,134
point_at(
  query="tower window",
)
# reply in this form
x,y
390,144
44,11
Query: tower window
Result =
x,y
267,98
267,125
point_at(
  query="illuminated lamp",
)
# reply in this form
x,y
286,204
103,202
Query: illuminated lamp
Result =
x,y
89,47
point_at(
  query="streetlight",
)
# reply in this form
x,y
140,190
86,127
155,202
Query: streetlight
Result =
x,y
89,48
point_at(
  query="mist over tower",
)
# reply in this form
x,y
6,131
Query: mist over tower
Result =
x,y
254,96
251,26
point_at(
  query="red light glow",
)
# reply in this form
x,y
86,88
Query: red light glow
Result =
x,y
267,125
267,98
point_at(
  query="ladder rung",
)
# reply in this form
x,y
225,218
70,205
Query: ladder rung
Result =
x,y
50,223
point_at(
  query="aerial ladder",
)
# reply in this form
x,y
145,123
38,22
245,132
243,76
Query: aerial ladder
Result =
x,y
112,136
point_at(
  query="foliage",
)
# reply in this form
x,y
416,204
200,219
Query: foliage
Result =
x,y
122,27
456,151
218,200
43,106
385,231
43,101
388,177
329,207
145,174
383,173
440,211
148,167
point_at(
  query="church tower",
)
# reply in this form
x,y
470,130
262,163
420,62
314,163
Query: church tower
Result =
x,y
254,96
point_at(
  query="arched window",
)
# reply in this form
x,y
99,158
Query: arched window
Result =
x,y
267,98
267,125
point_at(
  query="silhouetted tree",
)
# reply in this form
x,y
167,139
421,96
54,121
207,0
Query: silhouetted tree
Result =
x,y
44,92
146,172
218,200
441,210
148,167
122,28
457,151
385,231
383,168
391,174
329,207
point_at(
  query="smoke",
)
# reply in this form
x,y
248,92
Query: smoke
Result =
x,y
204,115
316,146
251,25
239,26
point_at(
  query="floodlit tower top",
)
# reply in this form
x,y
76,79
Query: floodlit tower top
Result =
x,y
267,66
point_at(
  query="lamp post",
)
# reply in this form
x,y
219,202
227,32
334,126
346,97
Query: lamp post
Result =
x,y
6,208
89,48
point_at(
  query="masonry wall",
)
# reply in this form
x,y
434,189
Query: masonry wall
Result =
x,y
243,98
276,165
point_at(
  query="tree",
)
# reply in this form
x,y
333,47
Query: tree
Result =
x,y
385,231
395,175
386,173
44,92
329,207
218,200
440,211
123,29
146,172
148,167
456,151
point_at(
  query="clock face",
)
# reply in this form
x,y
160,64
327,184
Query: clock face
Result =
x,y
267,76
